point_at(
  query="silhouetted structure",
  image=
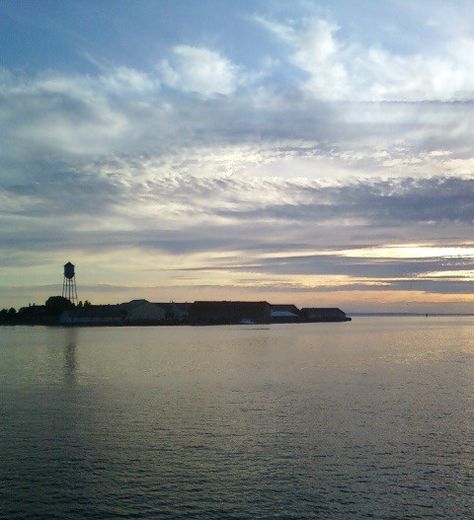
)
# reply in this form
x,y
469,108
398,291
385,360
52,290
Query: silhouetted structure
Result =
x,y
135,312
288,313
324,314
59,310
69,283
222,313
94,315
55,305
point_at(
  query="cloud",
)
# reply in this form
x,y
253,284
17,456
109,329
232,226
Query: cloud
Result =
x,y
124,112
59,113
202,71
105,205
339,69
126,80
389,203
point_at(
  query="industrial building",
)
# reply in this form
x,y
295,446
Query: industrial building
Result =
x,y
227,312
315,314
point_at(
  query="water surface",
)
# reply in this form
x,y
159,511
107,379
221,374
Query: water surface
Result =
x,y
368,419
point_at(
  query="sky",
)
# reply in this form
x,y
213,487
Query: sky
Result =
x,y
309,152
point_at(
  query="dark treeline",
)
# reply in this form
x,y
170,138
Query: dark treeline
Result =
x,y
47,314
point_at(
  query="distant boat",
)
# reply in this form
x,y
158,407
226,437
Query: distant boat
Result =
x,y
245,321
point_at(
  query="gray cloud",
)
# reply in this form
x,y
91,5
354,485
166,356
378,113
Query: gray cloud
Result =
x,y
390,203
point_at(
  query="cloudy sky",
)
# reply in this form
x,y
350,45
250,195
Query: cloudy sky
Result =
x,y
312,152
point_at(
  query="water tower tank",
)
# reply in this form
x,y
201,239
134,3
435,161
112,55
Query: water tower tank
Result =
x,y
69,271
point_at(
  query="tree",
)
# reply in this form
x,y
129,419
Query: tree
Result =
x,y
55,305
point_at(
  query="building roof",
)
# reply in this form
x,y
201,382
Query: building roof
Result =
x,y
322,309
285,307
134,303
229,302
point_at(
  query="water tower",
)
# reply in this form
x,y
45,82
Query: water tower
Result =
x,y
69,283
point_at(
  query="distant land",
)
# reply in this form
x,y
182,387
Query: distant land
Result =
x,y
61,311
402,314
67,310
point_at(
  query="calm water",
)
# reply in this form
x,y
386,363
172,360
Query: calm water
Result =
x,y
369,419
